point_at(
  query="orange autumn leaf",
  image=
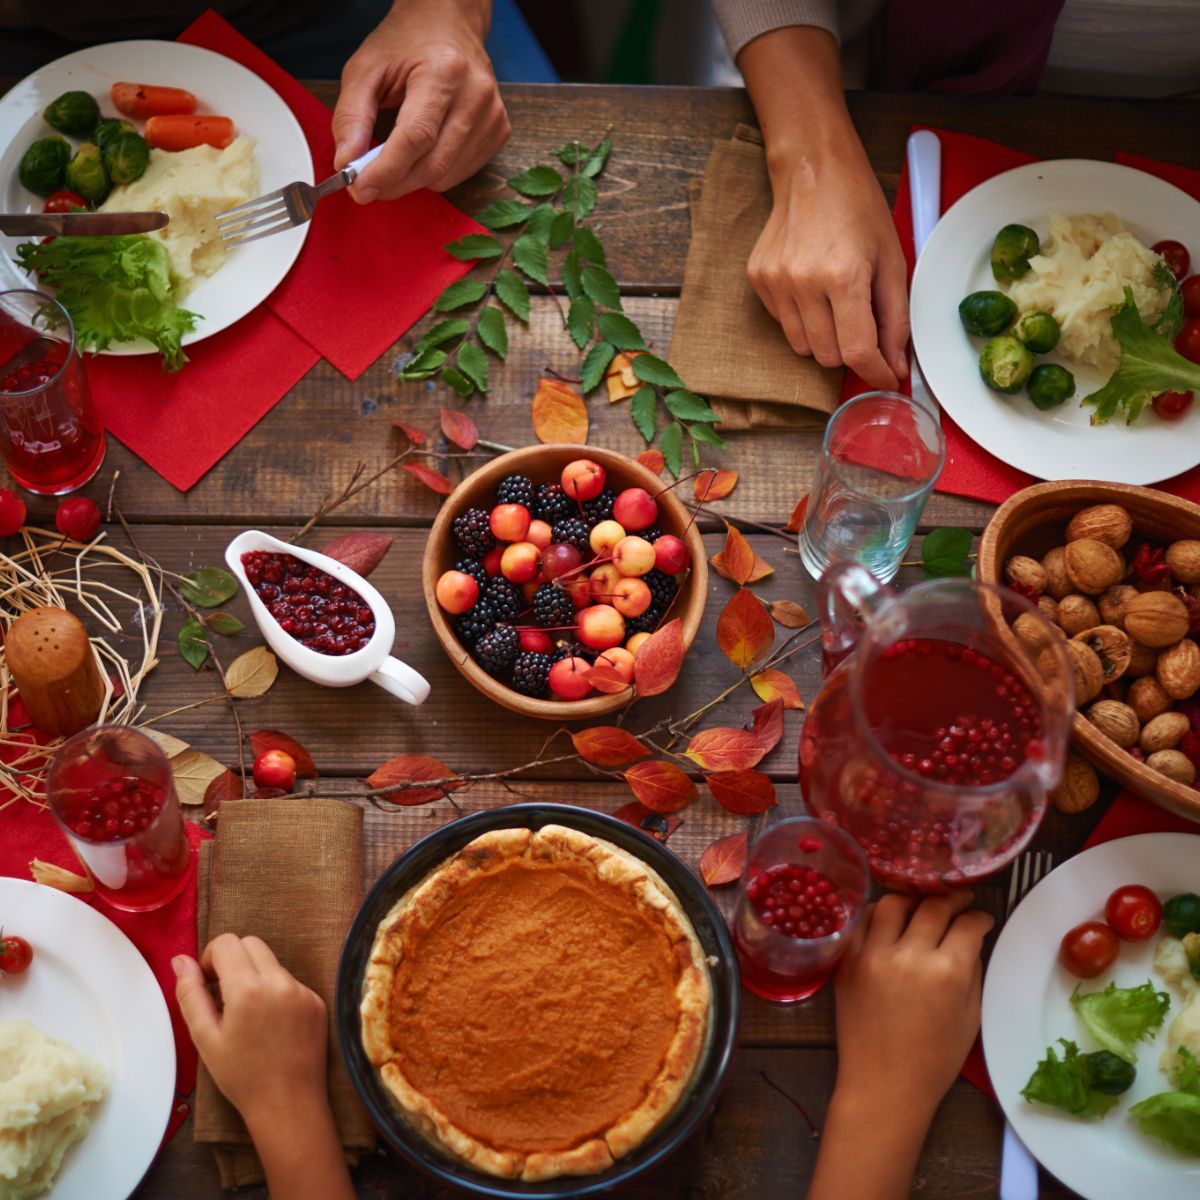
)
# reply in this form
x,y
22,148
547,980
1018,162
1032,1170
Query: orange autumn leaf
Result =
x,y
725,749
743,792
766,722
659,826
410,768
414,435
604,677
619,377
724,860
271,739
658,660
714,484
652,460
459,428
796,520
760,570
744,629
736,559
789,614
775,685
559,414
434,480
361,550
608,746
661,786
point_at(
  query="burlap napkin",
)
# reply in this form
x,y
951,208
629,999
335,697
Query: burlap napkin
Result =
x,y
289,871
725,345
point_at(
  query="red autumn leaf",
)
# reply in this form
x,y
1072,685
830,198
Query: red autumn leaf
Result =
x,y
407,768
268,794
760,570
658,660
272,739
744,629
789,614
226,786
459,428
661,786
361,551
659,826
608,746
714,484
724,860
434,480
414,435
604,677
743,792
736,559
796,520
725,749
767,724
652,460
559,414
775,685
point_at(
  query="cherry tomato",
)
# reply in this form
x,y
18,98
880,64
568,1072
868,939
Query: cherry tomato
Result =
x,y
15,954
1190,290
1172,405
1088,950
1133,912
64,202
1188,341
1176,256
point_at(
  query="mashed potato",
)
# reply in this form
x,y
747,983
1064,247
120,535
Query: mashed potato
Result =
x,y
1171,963
191,186
47,1093
1080,279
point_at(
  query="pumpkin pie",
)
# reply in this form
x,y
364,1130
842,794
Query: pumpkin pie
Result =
x,y
537,1005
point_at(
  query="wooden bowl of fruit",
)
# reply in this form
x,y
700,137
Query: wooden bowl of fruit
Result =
x,y
1116,570
547,560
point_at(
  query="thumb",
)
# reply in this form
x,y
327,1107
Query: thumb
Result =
x,y
355,113
195,1001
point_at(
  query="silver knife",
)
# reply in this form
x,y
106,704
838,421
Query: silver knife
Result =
x,y
80,224
925,187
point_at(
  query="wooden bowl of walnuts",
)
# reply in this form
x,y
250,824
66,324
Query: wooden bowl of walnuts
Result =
x,y
1116,570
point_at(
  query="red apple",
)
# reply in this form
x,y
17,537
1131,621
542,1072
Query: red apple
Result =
x,y
520,562
568,678
491,561
539,534
601,626
636,509
635,642
456,591
631,597
604,536
509,522
620,659
535,641
671,554
633,556
276,769
583,479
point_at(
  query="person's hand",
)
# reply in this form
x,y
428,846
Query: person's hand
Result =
x,y
426,56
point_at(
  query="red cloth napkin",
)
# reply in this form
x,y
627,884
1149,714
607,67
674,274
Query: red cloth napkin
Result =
x,y
966,162
363,278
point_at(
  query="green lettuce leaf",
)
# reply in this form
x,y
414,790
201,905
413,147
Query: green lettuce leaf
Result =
x,y
1118,1018
1172,1117
1186,1076
1064,1083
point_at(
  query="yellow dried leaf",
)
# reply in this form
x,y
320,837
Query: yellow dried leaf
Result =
x,y
49,875
619,377
252,674
193,771
169,745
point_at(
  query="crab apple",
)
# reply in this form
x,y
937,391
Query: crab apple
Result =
x,y
579,589
631,597
275,769
620,660
491,560
671,555
535,641
635,643
456,591
529,587
604,580
604,536
633,556
635,508
509,522
520,562
539,534
12,512
568,678
601,626
77,518
583,479
559,559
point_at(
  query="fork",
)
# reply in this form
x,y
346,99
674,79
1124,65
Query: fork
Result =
x,y
290,206
1018,1170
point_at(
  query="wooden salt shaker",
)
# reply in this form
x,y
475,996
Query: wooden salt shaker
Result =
x,y
52,663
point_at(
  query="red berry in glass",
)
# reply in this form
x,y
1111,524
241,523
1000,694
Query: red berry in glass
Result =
x,y
77,518
12,512
275,769
797,901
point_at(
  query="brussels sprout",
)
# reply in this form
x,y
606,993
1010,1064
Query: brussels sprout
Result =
x,y
1005,364
86,175
43,165
125,157
1107,1073
1038,330
1049,385
1181,914
986,313
108,129
1014,246
73,113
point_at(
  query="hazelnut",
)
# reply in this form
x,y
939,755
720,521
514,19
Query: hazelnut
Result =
x,y
1113,602
1156,619
1142,660
1089,674
1164,732
1111,646
1174,764
1092,566
1048,607
1178,669
1058,582
1034,633
1027,572
1183,557
1107,523
1116,721
1079,788
1077,613
1147,699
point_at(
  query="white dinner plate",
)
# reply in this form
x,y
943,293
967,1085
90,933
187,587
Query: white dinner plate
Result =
x,y
1026,1008
88,985
251,273
1061,443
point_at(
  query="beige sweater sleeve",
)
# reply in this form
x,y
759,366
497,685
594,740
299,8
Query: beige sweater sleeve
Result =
x,y
743,20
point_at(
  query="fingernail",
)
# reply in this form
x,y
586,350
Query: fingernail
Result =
x,y
364,195
178,964
338,151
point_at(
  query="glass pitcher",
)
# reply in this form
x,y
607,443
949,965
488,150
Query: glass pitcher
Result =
x,y
936,737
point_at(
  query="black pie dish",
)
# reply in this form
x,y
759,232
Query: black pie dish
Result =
x,y
423,857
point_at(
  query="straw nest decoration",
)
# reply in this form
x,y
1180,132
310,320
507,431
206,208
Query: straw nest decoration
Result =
x,y
119,600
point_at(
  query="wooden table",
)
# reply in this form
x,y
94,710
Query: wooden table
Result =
x,y
757,1145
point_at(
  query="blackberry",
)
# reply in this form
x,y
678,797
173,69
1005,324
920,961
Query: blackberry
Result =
x,y
574,650
531,674
515,489
551,503
552,606
495,651
646,623
475,623
651,535
474,568
599,508
574,531
503,598
662,588
473,533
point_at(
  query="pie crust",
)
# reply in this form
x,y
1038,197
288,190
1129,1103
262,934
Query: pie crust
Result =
x,y
537,1005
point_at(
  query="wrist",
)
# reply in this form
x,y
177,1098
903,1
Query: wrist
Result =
x,y
870,1103
270,1115
475,14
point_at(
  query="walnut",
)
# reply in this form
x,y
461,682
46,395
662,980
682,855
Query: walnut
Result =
x,y
1027,572
1164,732
1183,557
1156,618
1112,647
1142,660
1080,786
1147,699
1107,523
1178,669
1113,603
1034,633
1116,721
1092,566
1058,582
1089,674
1048,607
1174,764
1077,613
